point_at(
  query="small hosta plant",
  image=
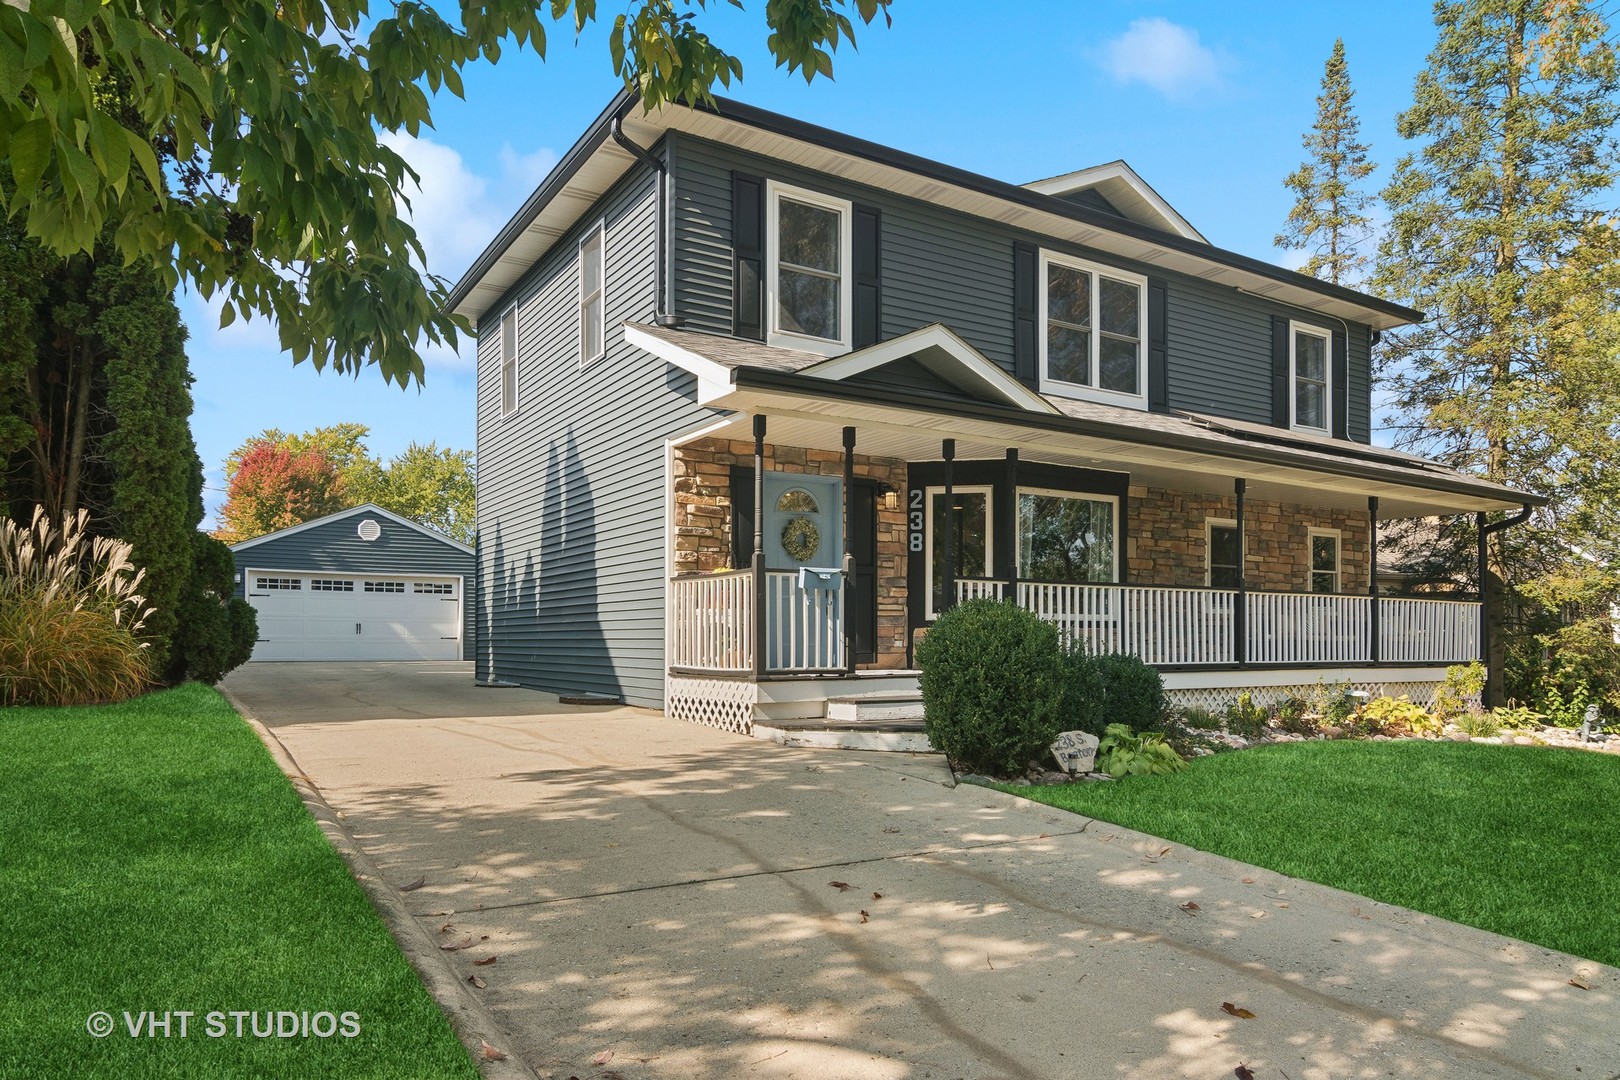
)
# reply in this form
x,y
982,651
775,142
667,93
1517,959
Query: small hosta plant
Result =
x,y
71,613
1124,752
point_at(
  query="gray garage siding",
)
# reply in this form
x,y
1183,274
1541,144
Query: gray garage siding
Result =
x,y
335,547
943,266
571,501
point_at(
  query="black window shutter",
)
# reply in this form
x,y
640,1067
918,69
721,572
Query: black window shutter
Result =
x,y
748,245
1158,366
868,315
742,517
1281,414
1026,299
1340,368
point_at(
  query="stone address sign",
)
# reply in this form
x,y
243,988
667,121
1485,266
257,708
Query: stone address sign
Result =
x,y
1076,752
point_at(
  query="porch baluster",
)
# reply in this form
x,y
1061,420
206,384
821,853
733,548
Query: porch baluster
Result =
x,y
1374,647
761,605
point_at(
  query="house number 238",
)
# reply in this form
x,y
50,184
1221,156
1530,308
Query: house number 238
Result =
x,y
915,519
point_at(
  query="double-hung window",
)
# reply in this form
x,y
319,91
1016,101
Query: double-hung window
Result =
x,y
509,363
1324,560
1310,350
1092,343
809,286
592,333
1224,554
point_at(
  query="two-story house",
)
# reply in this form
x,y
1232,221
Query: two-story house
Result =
x,y
757,400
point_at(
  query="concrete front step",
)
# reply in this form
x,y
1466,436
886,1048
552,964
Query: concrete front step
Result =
x,y
877,707
903,736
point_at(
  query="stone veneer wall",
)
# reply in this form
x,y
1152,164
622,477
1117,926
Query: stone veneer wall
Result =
x,y
1168,537
703,519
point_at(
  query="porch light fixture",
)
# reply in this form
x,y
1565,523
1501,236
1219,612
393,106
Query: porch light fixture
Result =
x,y
891,497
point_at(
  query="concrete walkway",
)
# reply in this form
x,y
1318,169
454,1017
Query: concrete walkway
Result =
x,y
698,904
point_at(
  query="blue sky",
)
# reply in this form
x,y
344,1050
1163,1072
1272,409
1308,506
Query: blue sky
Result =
x,y
1206,101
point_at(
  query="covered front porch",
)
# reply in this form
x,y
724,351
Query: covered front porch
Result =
x,y
820,528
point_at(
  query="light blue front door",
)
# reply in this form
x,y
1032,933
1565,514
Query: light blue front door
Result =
x,y
804,527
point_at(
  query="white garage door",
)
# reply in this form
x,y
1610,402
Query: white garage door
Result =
x,y
325,616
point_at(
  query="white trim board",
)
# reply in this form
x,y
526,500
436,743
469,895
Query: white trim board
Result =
x,y
363,508
942,351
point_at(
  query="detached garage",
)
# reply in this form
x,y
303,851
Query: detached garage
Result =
x,y
361,584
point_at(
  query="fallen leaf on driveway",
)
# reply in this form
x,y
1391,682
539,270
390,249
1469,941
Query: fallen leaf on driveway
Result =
x,y
469,943
864,916
1577,984
489,1053
476,981
1232,1010
603,1058
841,886
1191,907
1248,881
891,828
486,961
1243,1072
1257,914
877,896
446,928
413,886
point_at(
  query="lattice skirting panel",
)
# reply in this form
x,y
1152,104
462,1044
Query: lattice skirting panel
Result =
x,y
721,703
1218,698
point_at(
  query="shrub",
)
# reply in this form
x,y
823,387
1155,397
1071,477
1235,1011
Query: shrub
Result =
x,y
1085,693
217,631
1567,712
992,685
1480,725
1123,752
1133,692
70,616
1245,718
1396,716
1197,719
1516,717
1464,683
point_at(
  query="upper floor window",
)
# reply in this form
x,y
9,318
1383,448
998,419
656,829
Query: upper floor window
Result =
x,y
808,287
1094,317
592,332
1309,350
509,363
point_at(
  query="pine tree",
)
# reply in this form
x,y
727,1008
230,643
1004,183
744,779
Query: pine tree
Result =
x,y
1329,218
1490,221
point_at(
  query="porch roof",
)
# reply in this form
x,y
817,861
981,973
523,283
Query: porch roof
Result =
x,y
810,398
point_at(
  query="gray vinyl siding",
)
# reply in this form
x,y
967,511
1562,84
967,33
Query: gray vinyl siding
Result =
x,y
335,547
952,268
571,498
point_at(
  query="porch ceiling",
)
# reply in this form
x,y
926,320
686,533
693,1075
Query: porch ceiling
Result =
x,y
809,418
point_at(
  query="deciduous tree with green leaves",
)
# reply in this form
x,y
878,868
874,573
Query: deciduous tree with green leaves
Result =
x,y
1500,230
1329,217
268,115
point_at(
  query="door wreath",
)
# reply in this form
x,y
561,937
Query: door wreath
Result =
x,y
801,539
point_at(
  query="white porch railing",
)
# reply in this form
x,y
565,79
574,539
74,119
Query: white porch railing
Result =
x,y
1436,631
804,628
1308,628
711,619
1175,626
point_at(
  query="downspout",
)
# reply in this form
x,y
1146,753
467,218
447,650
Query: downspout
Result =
x,y
1485,532
661,305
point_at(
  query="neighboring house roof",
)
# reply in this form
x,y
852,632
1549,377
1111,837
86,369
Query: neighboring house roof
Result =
x,y
353,511
1125,191
596,162
727,367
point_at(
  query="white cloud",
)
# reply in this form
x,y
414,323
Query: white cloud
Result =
x,y
1169,58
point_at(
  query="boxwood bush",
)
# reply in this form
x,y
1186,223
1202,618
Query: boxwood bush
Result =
x,y
993,686
1133,692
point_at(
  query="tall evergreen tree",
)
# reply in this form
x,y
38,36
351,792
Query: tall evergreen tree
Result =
x,y
1329,217
1507,193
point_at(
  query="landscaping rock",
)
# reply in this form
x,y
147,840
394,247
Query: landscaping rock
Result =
x,y
1332,731
1523,740
1460,736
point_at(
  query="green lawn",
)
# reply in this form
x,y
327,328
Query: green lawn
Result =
x,y
152,857
1519,840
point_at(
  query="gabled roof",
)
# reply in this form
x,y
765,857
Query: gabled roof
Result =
x,y
596,162
715,359
1127,192
353,511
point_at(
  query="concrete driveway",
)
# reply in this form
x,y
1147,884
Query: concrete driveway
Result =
x,y
700,904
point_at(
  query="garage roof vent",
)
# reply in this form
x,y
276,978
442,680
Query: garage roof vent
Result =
x,y
369,529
